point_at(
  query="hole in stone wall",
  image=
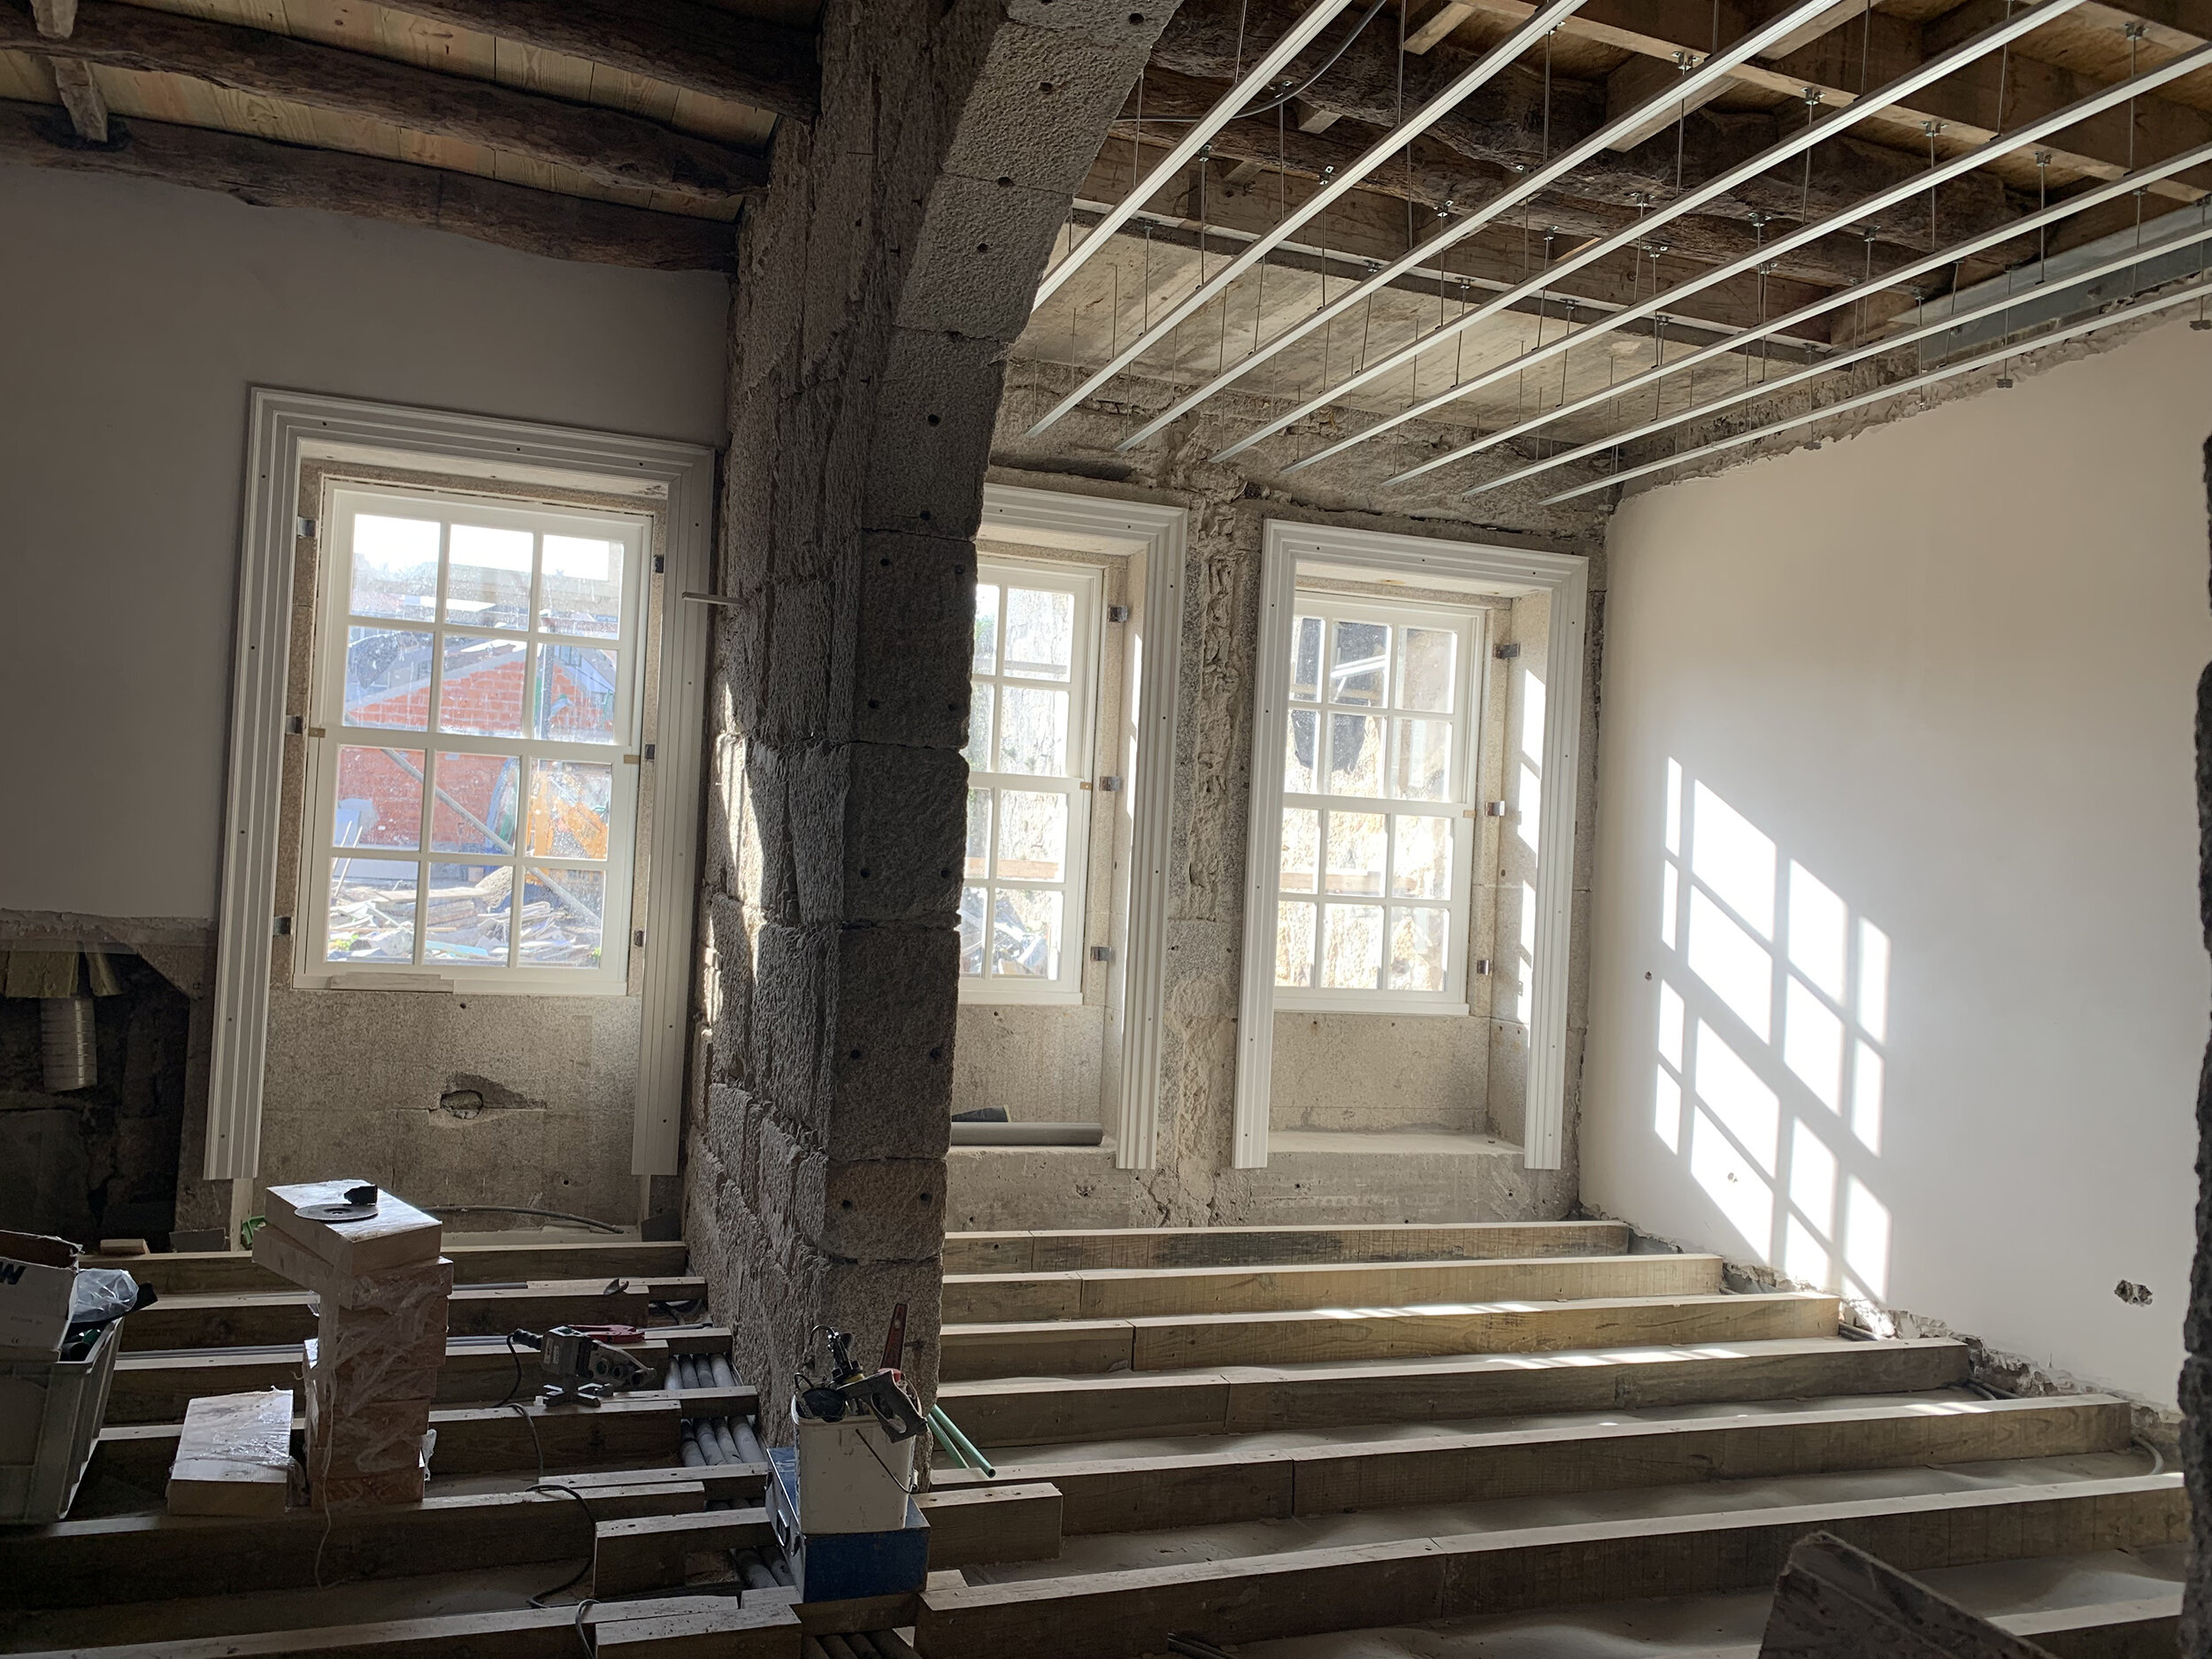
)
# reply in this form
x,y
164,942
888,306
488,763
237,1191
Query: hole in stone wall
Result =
x,y
462,1103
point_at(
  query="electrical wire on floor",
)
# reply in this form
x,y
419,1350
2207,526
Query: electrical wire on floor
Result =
x,y
592,1223
2158,1458
591,1521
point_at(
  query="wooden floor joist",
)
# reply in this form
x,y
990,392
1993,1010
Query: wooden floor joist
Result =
x,y
1109,1616
1139,1292
234,1272
1048,1252
264,1318
1089,1346
1138,1494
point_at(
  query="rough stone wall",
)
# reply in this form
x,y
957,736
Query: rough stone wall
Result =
x,y
882,279
2196,1368
1192,1182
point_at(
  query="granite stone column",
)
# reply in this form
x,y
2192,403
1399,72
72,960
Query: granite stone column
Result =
x,y
882,279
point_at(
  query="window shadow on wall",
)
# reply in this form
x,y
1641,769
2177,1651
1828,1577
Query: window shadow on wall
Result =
x,y
1768,1057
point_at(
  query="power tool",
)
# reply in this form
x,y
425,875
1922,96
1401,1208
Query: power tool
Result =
x,y
582,1361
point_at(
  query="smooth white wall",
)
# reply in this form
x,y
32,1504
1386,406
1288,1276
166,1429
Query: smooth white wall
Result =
x,y
139,316
1948,668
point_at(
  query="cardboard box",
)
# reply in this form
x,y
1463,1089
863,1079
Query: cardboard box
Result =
x,y
37,1273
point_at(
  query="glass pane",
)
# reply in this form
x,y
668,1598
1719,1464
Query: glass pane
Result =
x,y
388,679
1422,867
1356,750
1305,659
1039,633
1305,737
978,832
564,917
1424,759
476,801
1032,835
576,694
379,798
1358,673
1301,839
1025,935
372,911
580,590
1417,949
395,567
1351,946
1294,943
978,749
1425,658
466,917
986,629
1034,732
571,807
1356,853
487,583
482,690
973,902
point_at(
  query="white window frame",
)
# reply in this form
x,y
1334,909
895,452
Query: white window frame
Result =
x,y
1085,584
287,429
1457,807
1287,548
328,735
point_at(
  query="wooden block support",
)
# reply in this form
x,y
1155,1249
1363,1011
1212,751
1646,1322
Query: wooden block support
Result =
x,y
1078,1347
1251,1599
977,1526
1140,1293
234,1455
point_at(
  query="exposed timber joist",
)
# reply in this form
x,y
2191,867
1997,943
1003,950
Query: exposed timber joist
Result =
x,y
610,146
271,174
698,47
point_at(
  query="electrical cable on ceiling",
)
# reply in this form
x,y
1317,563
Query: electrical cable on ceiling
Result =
x,y
1295,93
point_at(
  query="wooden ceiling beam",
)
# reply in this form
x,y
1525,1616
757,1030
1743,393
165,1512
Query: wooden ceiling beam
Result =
x,y
609,146
270,174
686,43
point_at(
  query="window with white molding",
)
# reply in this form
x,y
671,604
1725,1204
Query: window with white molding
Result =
x,y
1378,830
1032,720
473,756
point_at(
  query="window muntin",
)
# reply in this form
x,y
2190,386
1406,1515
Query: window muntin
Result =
x,y
475,735
1030,736
1371,902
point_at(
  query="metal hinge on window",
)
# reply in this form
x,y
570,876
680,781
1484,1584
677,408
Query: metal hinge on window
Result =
x,y
1101,953
1110,785
304,528
660,563
1117,613
283,925
295,725
1506,652
640,937
648,751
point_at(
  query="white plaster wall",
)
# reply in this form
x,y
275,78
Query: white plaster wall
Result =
x,y
1947,667
141,313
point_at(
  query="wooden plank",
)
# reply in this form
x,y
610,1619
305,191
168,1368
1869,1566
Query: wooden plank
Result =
x,y
154,1557
1078,1347
754,1629
1139,1293
643,1428
1138,1493
976,1526
1835,1602
739,1483
157,1387
1023,1411
269,174
684,43
648,1552
606,145
230,1272
266,1318
1105,1615
232,1455
516,1634
1068,1250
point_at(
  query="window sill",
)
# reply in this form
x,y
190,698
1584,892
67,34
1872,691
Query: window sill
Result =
x,y
1355,1002
982,992
434,983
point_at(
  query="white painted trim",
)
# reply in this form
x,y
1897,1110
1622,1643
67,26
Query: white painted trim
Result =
x,y
287,429
1153,537
1470,568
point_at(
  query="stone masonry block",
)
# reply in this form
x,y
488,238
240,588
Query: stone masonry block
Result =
x,y
982,250
789,1006
927,476
859,1296
914,642
905,834
883,1209
895,1005
798,699
1055,84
